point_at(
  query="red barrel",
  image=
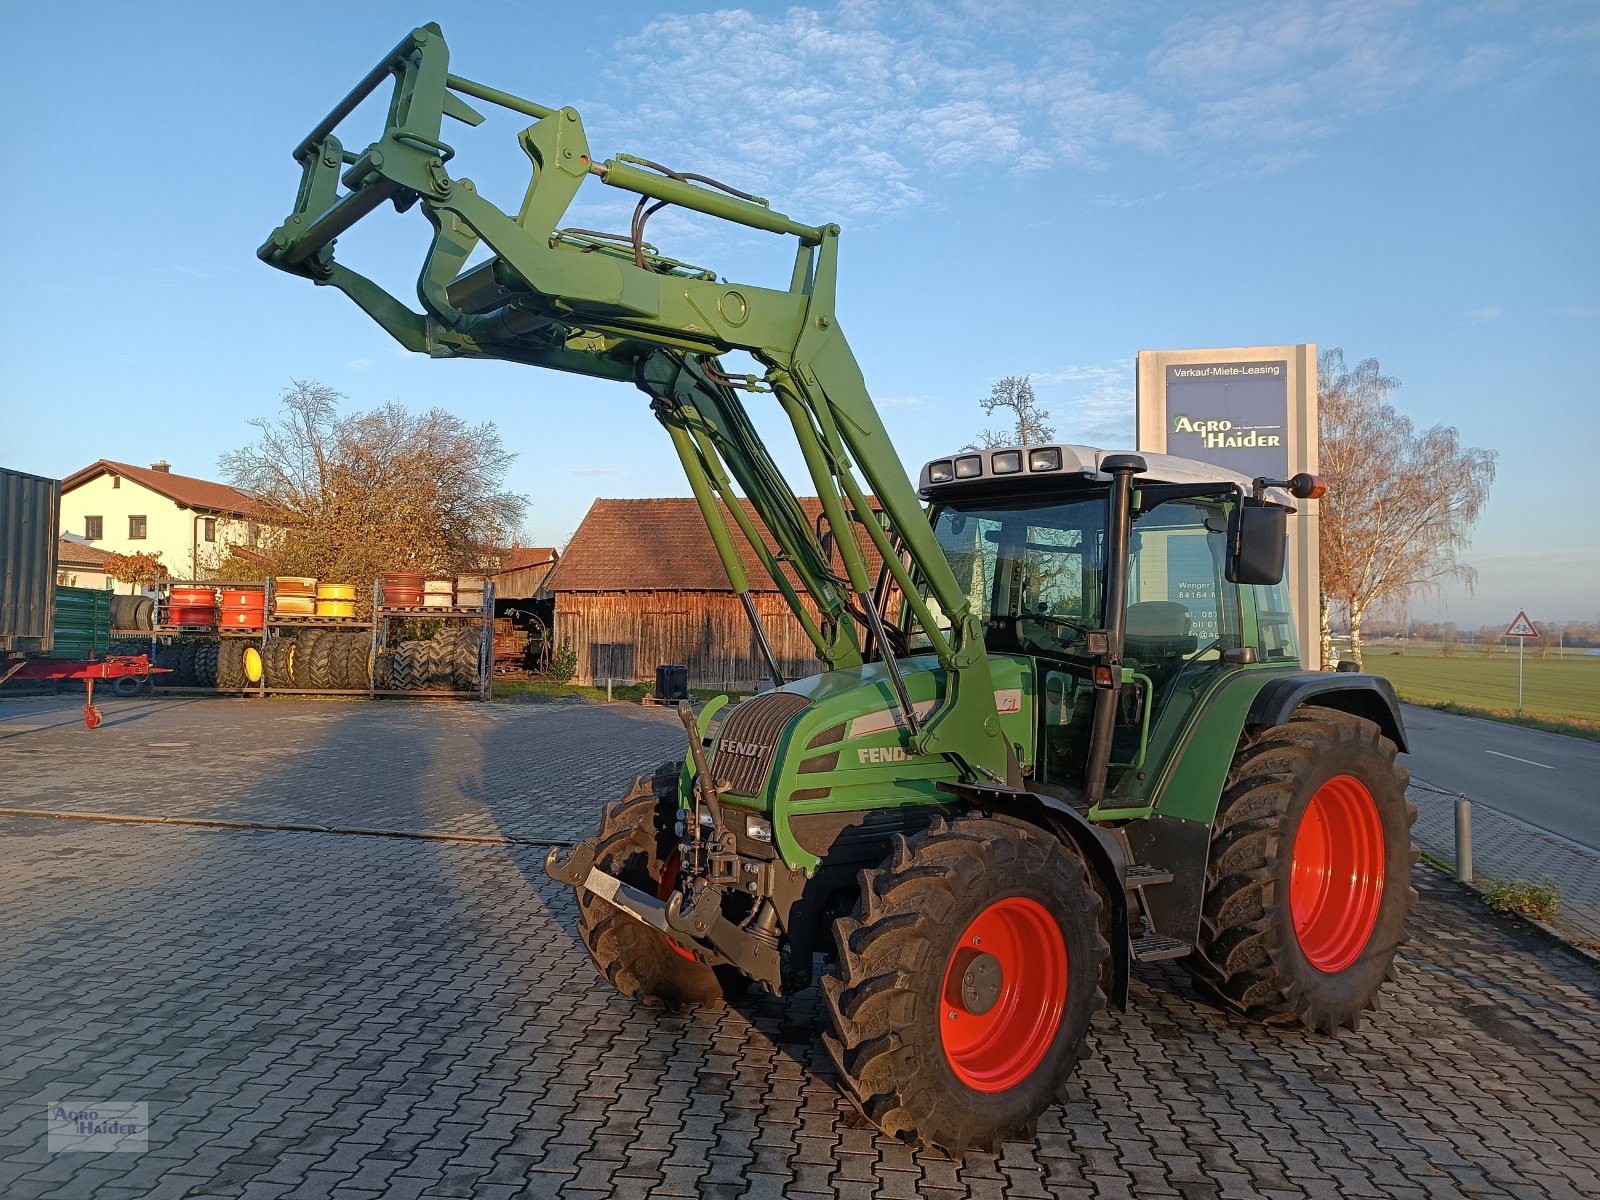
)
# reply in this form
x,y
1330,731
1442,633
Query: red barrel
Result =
x,y
402,589
192,606
244,608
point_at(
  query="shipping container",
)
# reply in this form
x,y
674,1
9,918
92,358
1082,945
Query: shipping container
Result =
x,y
30,510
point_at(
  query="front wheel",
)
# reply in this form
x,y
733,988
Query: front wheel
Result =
x,y
637,844
967,978
1309,879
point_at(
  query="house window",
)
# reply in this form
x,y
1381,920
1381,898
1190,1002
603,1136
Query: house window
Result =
x,y
136,527
94,528
116,481
208,528
252,533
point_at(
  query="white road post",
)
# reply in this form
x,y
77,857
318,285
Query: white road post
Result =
x,y
1521,642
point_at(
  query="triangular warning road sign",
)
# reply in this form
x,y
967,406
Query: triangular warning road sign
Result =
x,y
1521,627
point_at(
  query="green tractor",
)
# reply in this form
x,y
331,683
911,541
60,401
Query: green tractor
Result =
x,y
1063,726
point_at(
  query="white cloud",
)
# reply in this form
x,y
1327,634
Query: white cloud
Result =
x,y
859,109
361,364
590,471
899,401
1482,316
1090,404
864,108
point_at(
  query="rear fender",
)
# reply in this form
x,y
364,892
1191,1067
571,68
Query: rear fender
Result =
x,y
1369,696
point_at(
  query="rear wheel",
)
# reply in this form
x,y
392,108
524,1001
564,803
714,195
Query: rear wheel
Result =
x,y
278,662
205,665
230,665
314,664
188,652
1309,879
967,978
637,844
348,661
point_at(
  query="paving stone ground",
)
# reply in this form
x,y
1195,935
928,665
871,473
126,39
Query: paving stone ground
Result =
x,y
335,1015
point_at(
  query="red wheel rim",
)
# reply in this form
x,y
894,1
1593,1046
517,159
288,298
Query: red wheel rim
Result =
x,y
1336,874
669,880
996,1049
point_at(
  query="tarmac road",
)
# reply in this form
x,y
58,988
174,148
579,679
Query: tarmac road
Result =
x,y
1545,779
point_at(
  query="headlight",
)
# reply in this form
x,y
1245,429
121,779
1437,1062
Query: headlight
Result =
x,y
1007,462
969,466
1048,459
941,471
758,829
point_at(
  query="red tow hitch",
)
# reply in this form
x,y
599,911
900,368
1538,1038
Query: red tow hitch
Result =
x,y
114,667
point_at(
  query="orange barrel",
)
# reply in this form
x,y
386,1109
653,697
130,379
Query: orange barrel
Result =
x,y
469,591
336,599
244,608
192,606
402,589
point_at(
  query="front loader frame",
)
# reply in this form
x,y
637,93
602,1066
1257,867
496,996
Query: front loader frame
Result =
x,y
612,308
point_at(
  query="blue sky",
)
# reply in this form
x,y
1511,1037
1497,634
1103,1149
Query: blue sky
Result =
x,y
1025,188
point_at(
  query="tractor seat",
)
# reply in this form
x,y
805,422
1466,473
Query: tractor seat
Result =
x,y
1157,629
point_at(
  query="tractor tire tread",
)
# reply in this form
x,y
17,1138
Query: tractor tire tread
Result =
x,y
1245,954
634,840
889,951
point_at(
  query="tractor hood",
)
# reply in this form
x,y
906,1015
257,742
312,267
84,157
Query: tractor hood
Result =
x,y
827,742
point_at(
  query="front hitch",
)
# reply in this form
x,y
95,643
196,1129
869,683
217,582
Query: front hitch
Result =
x,y
577,867
694,913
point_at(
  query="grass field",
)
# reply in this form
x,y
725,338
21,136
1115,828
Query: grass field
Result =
x,y
1556,689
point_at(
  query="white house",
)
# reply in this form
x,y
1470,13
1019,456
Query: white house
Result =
x,y
80,565
191,522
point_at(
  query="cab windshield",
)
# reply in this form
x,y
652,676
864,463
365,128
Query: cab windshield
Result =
x,y
1033,572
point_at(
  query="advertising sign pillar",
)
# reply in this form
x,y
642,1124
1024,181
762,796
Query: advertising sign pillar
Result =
x,y
1253,410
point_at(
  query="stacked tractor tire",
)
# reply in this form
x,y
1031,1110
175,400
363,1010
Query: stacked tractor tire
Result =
x,y
447,661
324,660
193,663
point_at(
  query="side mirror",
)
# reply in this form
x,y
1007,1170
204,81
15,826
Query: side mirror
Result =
x,y
1257,540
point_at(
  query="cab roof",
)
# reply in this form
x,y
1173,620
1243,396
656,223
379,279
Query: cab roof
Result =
x,y
1079,463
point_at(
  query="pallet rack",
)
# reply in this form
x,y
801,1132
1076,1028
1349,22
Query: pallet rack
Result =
x,y
384,618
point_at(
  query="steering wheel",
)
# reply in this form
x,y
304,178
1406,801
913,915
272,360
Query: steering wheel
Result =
x,y
1053,619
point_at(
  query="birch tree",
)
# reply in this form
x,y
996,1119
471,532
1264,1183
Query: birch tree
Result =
x,y
1030,423
1401,503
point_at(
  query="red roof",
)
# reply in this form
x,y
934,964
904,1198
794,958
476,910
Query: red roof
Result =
x,y
519,558
80,554
660,545
200,494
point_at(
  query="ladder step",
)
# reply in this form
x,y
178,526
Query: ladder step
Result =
x,y
1153,948
1139,875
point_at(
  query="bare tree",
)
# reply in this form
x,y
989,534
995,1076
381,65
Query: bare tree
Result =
x,y
1401,504
1031,423
350,497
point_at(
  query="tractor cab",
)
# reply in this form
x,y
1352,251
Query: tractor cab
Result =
x,y
1028,532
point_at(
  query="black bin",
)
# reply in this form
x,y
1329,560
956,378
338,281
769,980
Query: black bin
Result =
x,y
672,682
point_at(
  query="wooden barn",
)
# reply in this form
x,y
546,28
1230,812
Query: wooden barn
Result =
x,y
522,570
640,585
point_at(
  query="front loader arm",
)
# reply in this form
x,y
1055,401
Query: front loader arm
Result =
x,y
612,307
